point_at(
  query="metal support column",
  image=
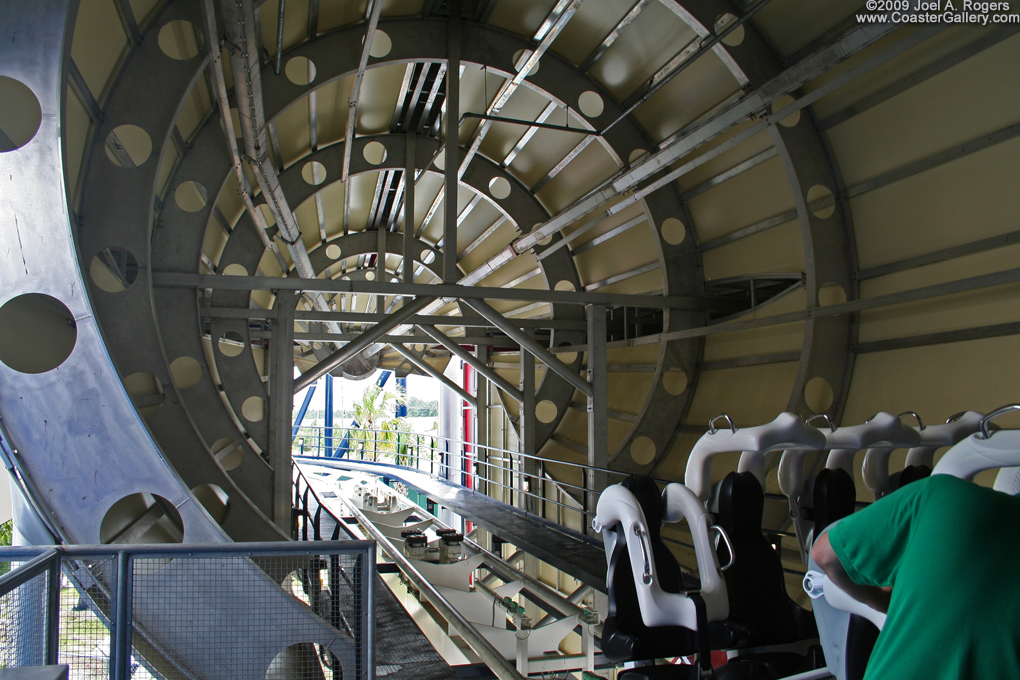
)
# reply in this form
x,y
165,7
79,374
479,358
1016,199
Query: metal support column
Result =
x,y
327,420
598,427
450,273
528,424
281,404
409,167
401,407
482,419
120,642
52,611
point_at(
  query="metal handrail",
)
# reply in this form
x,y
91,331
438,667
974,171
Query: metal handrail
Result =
x,y
45,563
423,447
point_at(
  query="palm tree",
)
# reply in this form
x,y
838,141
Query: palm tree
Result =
x,y
374,412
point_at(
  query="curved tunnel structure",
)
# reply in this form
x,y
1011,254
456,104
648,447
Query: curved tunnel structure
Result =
x,y
775,206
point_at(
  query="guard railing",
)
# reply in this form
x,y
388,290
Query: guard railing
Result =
x,y
109,612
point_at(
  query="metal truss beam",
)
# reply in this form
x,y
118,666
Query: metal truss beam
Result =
x,y
428,369
608,41
454,346
365,340
453,46
530,345
182,280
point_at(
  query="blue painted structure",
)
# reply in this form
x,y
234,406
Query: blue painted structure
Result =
x,y
328,422
304,409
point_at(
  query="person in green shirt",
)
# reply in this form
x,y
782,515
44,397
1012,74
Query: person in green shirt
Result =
x,y
941,557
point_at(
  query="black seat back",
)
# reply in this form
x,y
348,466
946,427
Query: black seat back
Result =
x,y
833,497
755,583
625,637
911,473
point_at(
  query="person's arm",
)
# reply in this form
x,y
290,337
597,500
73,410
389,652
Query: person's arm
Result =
x,y
826,559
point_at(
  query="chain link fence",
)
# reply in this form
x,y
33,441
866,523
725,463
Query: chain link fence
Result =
x,y
275,611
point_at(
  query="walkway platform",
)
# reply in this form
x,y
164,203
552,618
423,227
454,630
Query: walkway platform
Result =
x,y
583,557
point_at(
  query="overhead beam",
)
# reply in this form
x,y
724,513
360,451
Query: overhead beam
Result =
x,y
752,105
546,35
999,278
366,339
885,179
920,75
608,41
943,337
394,337
435,373
626,183
678,64
409,168
943,255
372,20
529,344
468,358
471,321
186,280
223,104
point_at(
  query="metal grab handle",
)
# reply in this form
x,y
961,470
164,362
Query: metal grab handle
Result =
x,y
824,416
711,423
920,423
985,434
646,575
729,546
955,416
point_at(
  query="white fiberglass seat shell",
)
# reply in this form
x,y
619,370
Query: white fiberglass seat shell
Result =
x,y
876,461
983,450
949,433
619,517
787,432
883,430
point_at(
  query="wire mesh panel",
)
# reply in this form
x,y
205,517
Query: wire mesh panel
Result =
x,y
222,616
85,610
23,621
282,611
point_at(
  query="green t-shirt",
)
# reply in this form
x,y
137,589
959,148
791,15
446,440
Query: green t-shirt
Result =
x,y
950,549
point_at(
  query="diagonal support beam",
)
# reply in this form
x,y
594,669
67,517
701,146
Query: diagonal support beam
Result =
x,y
529,344
471,360
365,340
435,373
